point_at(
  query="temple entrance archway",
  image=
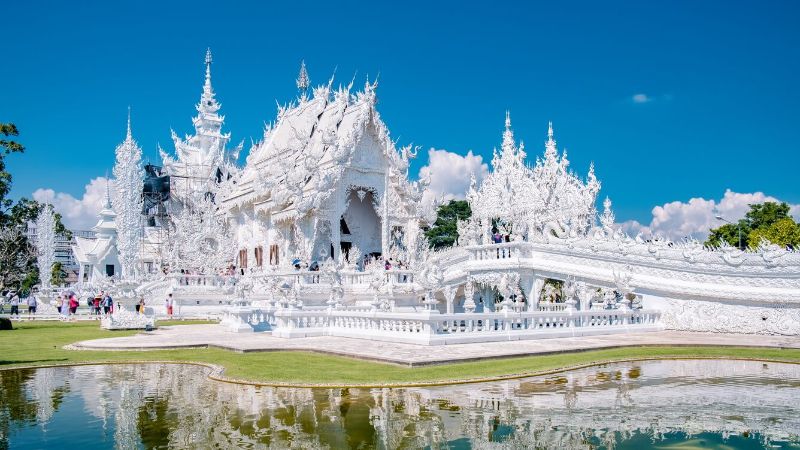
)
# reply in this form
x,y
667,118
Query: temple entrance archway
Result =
x,y
360,225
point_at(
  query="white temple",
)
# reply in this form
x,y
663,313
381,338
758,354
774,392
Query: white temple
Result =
x,y
98,257
320,233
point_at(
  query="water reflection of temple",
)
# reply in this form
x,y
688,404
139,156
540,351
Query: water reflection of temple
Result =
x,y
176,406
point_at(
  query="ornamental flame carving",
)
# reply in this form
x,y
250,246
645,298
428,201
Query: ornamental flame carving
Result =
x,y
536,202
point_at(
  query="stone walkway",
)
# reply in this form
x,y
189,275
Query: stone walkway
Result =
x,y
201,336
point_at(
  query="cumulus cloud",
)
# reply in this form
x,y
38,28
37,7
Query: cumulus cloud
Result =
x,y
77,213
641,98
676,220
450,172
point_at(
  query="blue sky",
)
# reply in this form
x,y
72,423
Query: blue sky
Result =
x,y
719,82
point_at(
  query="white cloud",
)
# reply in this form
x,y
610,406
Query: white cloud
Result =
x,y
676,220
77,214
641,98
450,173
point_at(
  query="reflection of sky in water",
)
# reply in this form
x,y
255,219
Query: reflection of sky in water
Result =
x,y
657,404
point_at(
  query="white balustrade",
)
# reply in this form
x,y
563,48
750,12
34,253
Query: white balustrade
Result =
x,y
180,279
434,328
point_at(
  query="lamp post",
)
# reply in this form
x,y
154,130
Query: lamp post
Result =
x,y
738,226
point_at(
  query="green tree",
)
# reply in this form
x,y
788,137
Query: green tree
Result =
x,y
785,232
766,214
17,258
58,275
444,232
770,220
729,233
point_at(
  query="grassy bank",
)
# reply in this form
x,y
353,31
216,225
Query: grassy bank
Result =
x,y
40,343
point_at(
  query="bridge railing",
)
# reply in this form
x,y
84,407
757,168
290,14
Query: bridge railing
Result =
x,y
348,277
503,250
180,279
432,328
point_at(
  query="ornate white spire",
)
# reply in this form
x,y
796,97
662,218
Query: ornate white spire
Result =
x,y
108,192
508,136
127,201
302,79
607,219
208,107
128,136
550,151
207,86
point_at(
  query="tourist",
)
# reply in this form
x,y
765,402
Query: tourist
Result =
x,y
96,305
32,303
140,306
63,306
73,304
107,303
15,305
168,306
496,236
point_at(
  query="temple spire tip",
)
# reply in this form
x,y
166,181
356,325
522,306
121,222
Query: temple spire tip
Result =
x,y
128,134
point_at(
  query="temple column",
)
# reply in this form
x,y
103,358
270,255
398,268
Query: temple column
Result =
x,y
385,219
449,295
532,287
336,237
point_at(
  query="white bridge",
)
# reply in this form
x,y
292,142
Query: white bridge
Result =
x,y
496,292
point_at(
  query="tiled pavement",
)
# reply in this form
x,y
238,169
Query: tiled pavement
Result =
x,y
187,336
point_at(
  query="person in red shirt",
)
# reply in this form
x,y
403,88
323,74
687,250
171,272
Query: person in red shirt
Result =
x,y
73,304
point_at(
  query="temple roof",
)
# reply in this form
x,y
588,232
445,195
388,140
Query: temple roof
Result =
x,y
304,154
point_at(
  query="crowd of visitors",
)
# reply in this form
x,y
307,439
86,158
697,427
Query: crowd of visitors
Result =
x,y
15,301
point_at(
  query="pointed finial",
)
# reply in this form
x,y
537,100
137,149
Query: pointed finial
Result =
x,y
207,86
550,129
302,78
108,192
508,120
128,136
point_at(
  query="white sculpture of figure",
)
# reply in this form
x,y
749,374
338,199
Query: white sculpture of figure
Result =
x,y
585,295
469,296
332,271
568,292
622,281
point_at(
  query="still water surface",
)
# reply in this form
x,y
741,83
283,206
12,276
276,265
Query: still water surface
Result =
x,y
658,404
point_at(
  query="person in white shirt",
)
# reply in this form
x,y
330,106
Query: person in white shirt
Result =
x,y
32,304
15,305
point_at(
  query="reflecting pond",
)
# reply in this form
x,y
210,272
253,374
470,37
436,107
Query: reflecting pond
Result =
x,y
654,404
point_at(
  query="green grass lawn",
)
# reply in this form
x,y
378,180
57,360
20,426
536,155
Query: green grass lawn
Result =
x,y
40,343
